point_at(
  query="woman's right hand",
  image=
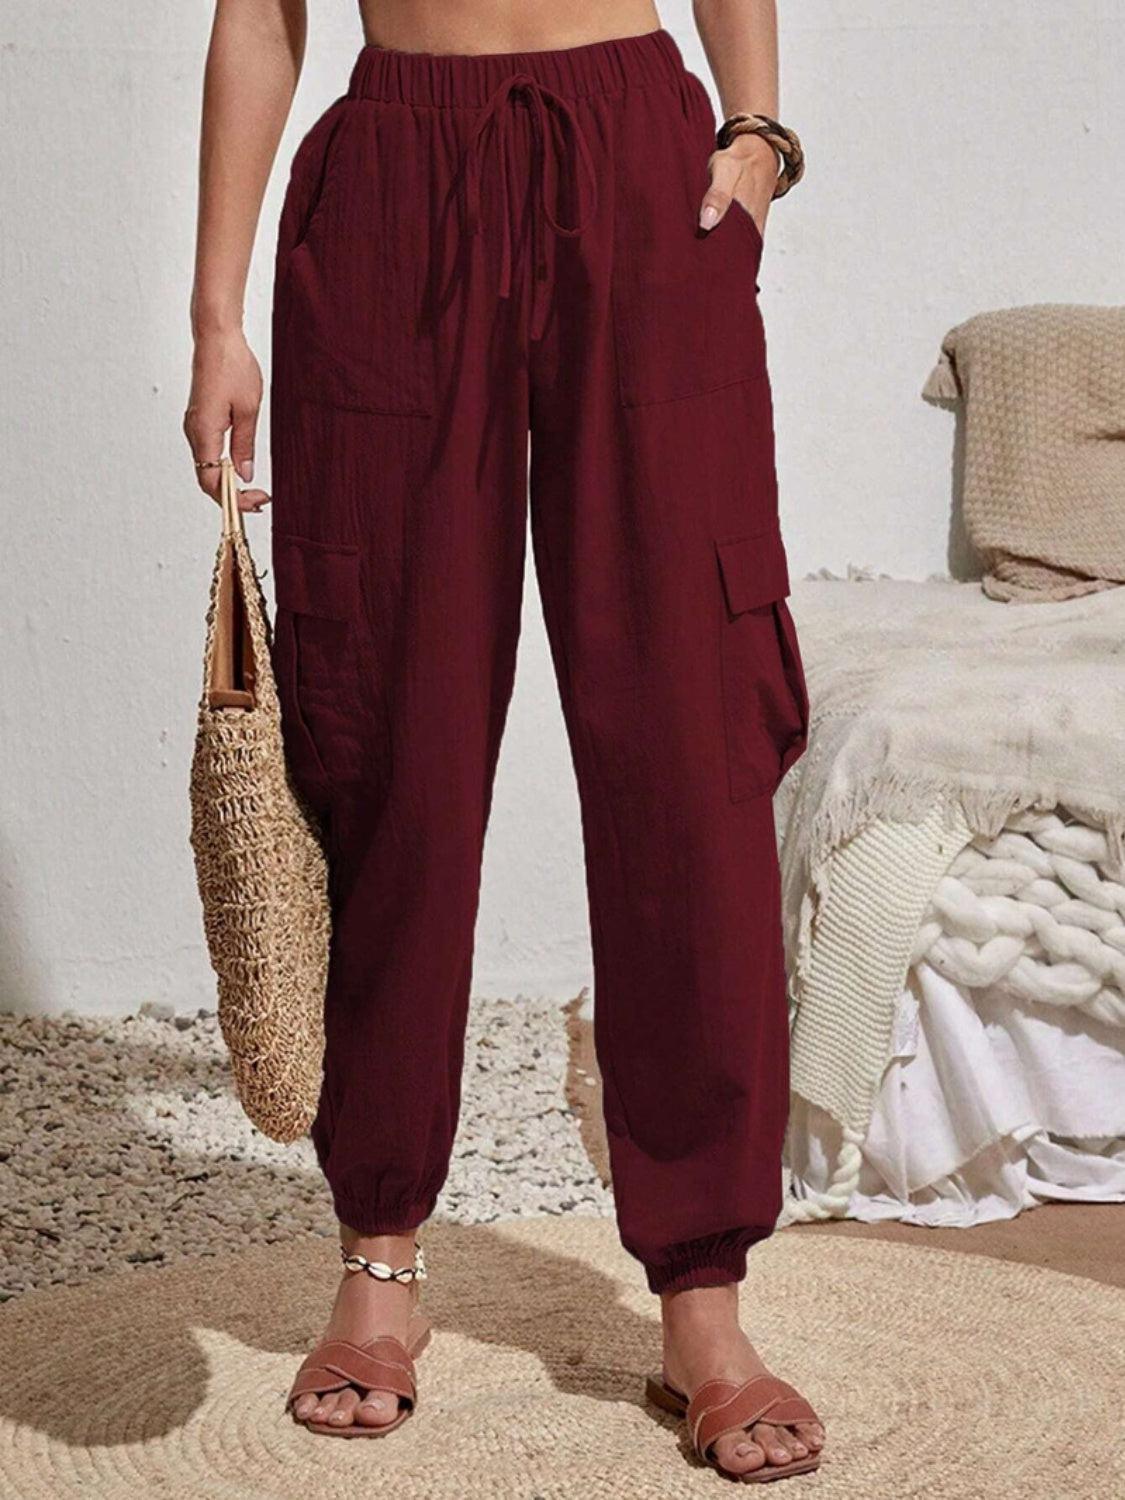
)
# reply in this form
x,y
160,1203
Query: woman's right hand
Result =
x,y
226,392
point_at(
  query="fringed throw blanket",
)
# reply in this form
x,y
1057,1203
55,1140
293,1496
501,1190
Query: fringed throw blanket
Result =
x,y
1044,397
928,694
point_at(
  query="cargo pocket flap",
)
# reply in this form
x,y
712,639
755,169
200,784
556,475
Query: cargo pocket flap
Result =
x,y
754,570
316,578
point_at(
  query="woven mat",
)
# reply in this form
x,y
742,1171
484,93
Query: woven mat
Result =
x,y
937,1374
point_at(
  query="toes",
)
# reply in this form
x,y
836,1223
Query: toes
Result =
x,y
346,1403
325,1407
737,1454
811,1434
377,1408
774,1441
343,1408
793,1440
304,1407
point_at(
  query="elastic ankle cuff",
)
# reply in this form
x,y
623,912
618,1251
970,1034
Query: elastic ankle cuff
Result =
x,y
366,1220
714,1260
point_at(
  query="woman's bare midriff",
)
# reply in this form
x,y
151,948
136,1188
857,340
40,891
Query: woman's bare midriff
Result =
x,y
482,26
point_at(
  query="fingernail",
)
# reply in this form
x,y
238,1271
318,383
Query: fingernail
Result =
x,y
709,217
246,470
742,1450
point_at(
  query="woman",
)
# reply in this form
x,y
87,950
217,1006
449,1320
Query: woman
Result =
x,y
515,227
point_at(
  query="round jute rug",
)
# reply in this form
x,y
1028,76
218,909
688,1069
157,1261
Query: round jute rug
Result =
x,y
938,1374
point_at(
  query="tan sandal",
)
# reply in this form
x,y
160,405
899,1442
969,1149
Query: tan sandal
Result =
x,y
720,1407
381,1364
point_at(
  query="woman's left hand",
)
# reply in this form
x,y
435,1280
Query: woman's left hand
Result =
x,y
747,172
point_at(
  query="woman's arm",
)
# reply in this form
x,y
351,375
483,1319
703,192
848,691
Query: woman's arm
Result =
x,y
253,64
740,40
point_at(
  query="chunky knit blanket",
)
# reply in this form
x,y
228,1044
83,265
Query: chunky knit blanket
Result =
x,y
1044,402
928,695
1032,914
1035,913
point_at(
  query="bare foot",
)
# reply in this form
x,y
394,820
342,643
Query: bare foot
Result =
x,y
703,1341
364,1309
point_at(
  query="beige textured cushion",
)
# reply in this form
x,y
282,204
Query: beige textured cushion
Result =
x,y
1044,395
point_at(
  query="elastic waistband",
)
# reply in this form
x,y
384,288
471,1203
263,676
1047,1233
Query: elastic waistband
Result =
x,y
441,80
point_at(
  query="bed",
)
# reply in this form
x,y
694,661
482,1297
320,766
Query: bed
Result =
x,y
954,887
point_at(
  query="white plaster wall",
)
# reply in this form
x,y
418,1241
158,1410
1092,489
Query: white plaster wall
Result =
x,y
963,155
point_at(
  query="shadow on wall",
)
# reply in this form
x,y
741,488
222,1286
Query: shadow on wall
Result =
x,y
964,562
21,985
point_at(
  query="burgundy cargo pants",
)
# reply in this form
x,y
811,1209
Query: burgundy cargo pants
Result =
x,y
475,252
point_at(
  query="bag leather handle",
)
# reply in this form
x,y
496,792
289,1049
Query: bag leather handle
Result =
x,y
228,499
231,668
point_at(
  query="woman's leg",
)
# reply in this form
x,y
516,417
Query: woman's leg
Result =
x,y
363,1309
399,454
654,516
654,519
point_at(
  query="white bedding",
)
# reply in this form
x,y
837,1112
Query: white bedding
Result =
x,y
989,1105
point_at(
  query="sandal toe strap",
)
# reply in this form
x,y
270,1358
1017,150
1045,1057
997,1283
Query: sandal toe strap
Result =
x,y
381,1365
720,1407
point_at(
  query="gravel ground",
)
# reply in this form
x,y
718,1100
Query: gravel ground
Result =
x,y
121,1143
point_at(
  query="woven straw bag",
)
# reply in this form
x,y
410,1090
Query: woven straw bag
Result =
x,y
258,858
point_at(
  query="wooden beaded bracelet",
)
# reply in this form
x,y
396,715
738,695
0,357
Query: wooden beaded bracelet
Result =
x,y
783,140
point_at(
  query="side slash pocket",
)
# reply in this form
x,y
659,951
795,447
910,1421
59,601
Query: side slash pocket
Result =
x,y
686,319
349,326
318,664
765,703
